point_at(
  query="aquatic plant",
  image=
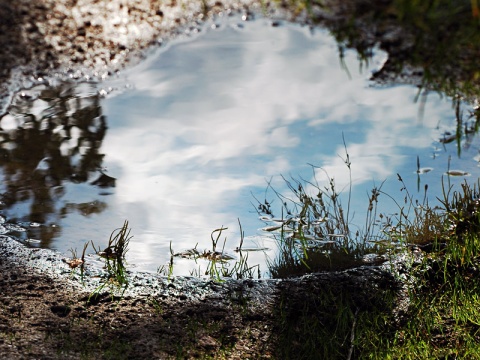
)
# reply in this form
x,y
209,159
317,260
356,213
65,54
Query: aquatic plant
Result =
x,y
415,222
167,270
114,255
220,269
220,265
315,231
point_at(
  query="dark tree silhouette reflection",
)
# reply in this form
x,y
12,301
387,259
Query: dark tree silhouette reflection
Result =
x,y
50,135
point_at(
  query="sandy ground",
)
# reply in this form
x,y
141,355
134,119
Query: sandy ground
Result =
x,y
45,313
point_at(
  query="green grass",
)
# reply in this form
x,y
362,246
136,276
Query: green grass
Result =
x,y
114,255
444,316
335,321
340,320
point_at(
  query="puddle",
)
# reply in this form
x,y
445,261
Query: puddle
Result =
x,y
185,142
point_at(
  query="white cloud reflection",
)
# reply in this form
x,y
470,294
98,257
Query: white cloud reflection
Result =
x,y
211,119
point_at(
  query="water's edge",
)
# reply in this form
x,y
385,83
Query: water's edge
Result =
x,y
142,284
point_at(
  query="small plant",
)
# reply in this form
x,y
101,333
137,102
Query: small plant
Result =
x,y
75,261
219,269
157,306
416,222
219,265
167,270
114,255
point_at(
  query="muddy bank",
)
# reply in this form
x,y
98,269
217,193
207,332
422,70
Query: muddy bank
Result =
x,y
43,40
49,311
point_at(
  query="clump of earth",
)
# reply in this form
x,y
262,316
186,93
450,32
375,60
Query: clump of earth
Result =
x,y
51,311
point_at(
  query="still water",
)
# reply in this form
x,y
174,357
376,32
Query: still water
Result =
x,y
193,135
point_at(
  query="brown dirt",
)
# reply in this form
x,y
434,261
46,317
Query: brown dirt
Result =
x,y
44,318
48,311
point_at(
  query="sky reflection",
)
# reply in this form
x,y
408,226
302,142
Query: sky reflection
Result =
x,y
211,119
206,122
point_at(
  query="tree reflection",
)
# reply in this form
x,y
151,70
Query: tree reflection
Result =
x,y
431,44
434,44
50,135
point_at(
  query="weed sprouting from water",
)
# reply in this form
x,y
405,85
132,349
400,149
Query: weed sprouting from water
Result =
x,y
239,269
219,269
416,222
114,255
167,270
218,232
220,265
315,231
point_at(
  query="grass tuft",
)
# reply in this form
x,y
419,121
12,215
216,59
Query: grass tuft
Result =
x,y
440,316
114,254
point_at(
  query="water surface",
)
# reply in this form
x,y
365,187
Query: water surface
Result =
x,y
194,134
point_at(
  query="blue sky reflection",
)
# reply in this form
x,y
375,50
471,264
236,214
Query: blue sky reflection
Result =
x,y
210,119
